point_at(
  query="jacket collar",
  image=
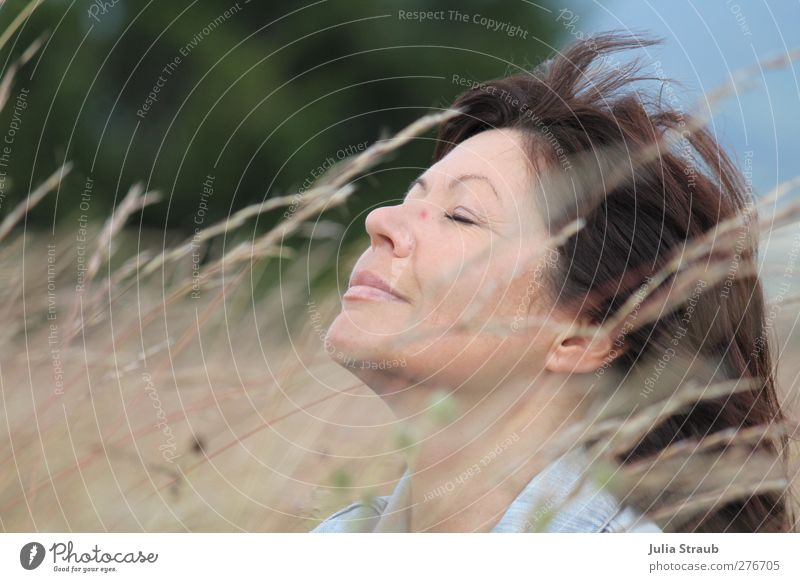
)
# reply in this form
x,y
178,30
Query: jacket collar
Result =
x,y
560,498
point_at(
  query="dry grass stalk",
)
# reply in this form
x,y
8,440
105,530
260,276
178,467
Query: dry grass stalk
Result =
x,y
13,217
142,484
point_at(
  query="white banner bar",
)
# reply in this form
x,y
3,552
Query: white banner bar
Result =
x,y
401,557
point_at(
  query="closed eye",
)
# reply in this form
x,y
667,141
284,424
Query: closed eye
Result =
x,y
460,217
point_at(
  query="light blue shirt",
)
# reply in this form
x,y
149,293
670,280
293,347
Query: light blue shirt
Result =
x,y
541,506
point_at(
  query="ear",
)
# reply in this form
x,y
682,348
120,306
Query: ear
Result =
x,y
573,353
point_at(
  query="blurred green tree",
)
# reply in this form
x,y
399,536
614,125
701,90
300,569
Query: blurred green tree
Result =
x,y
259,95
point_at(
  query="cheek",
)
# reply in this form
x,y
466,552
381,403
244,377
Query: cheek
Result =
x,y
519,295
467,298
458,280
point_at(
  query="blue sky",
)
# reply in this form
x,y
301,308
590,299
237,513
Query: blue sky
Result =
x,y
705,42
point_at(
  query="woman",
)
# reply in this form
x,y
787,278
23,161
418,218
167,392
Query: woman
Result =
x,y
484,280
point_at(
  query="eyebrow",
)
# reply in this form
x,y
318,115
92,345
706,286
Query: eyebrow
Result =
x,y
456,181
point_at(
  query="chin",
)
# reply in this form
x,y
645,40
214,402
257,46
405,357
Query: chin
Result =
x,y
347,340
349,345
366,323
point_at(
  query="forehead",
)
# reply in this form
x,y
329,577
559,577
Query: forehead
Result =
x,y
498,154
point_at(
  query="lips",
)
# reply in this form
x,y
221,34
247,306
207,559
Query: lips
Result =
x,y
368,285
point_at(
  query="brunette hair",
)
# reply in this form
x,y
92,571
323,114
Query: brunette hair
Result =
x,y
569,106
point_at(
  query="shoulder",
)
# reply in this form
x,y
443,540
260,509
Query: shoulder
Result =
x,y
357,517
567,496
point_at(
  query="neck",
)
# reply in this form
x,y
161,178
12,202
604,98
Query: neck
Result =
x,y
469,467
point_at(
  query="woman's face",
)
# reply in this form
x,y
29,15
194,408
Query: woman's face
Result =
x,y
461,252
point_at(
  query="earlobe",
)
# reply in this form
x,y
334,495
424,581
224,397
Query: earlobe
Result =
x,y
572,354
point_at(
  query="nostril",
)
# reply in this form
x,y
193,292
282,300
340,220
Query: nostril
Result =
x,y
382,240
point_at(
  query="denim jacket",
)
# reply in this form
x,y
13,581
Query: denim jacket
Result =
x,y
590,509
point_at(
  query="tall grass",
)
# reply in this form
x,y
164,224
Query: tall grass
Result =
x,y
145,390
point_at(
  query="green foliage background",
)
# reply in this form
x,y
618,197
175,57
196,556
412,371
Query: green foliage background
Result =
x,y
262,100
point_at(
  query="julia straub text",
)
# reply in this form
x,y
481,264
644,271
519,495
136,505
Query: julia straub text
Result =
x,y
682,549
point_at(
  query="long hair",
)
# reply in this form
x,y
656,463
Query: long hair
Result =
x,y
569,107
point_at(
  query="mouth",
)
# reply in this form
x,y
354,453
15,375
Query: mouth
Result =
x,y
368,286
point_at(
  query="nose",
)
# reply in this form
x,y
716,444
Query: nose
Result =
x,y
387,228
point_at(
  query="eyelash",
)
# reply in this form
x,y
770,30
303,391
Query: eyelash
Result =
x,y
462,219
